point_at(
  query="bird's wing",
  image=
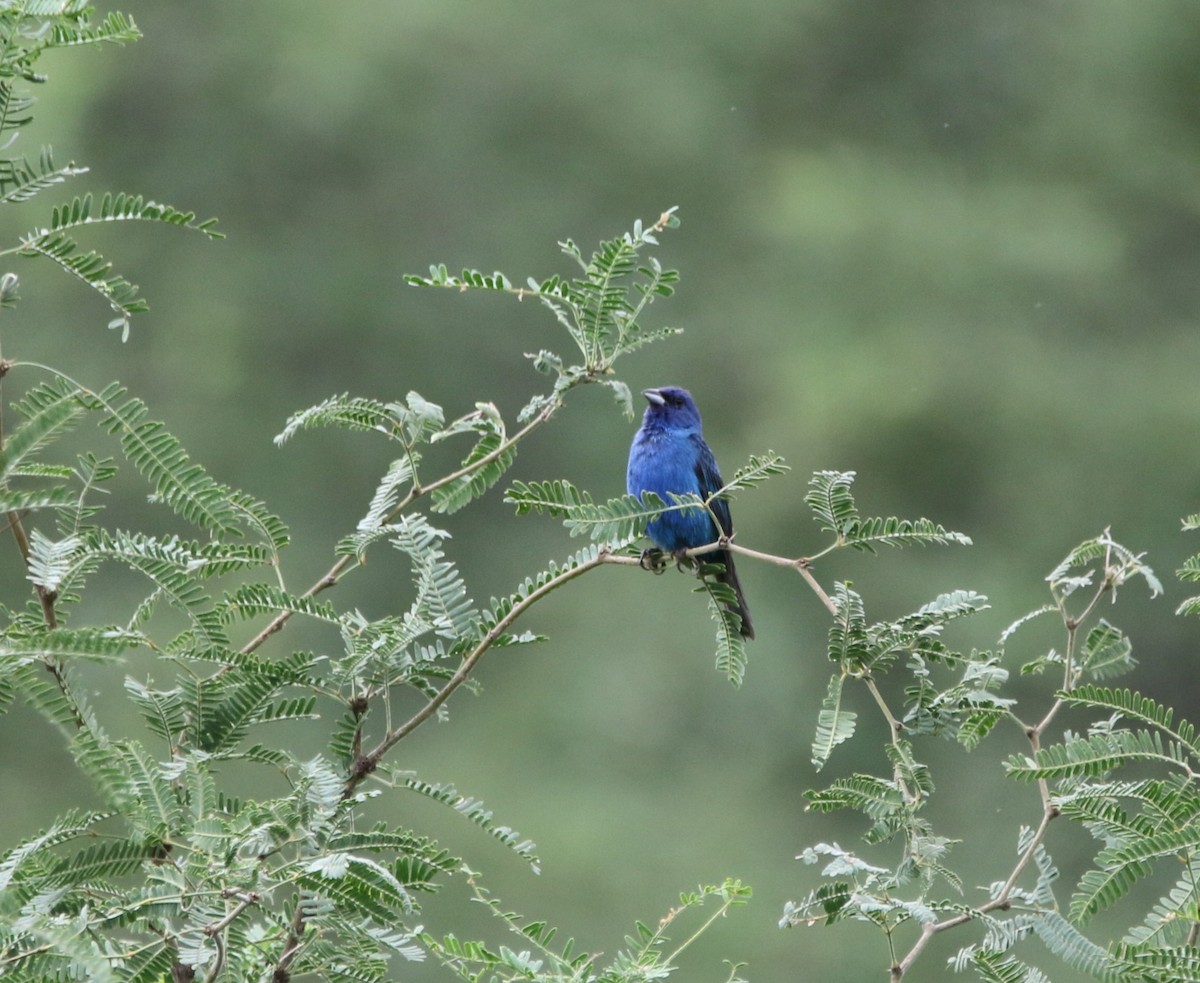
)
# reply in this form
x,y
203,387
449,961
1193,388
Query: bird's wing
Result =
x,y
709,479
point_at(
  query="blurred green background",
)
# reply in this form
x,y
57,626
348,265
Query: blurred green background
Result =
x,y
950,244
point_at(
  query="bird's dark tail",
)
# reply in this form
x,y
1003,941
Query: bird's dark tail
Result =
x,y
729,577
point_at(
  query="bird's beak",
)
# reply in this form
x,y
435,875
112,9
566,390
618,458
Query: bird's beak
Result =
x,y
654,396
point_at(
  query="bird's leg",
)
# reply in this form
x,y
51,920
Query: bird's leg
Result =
x,y
683,560
652,559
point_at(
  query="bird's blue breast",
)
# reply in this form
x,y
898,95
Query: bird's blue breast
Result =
x,y
665,462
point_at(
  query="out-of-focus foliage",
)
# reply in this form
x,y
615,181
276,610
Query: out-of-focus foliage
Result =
x,y
952,246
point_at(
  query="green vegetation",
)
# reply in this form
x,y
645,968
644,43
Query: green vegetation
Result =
x,y
245,716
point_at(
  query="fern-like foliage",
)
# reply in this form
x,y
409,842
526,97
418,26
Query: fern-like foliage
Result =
x,y
412,424
414,421
20,180
1139,822
600,308
174,877
1101,558
831,501
178,481
1155,964
835,723
618,521
731,644
1095,756
492,455
857,889
833,506
872,796
1190,571
31,28
647,954
758,469
49,412
441,602
848,643
474,811
205,715
90,267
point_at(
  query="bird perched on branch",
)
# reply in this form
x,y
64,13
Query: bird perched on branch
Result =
x,y
669,457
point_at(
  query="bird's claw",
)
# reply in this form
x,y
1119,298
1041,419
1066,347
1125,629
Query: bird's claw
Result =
x,y
682,560
653,560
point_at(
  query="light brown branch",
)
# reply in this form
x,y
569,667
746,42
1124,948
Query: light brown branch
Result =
x,y
999,902
335,573
368,762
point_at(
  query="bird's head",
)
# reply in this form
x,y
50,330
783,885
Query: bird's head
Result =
x,y
671,408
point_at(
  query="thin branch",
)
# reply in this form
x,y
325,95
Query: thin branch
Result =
x,y
894,725
1071,672
218,964
334,574
291,950
1001,901
1071,623
708,923
244,902
802,565
370,761
45,597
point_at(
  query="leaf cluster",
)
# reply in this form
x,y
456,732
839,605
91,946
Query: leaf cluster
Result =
x,y
29,29
1138,820
600,308
835,510
173,876
647,954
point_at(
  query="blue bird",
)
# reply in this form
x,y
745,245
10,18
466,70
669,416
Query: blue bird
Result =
x,y
669,456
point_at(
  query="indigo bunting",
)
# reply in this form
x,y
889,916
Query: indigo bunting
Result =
x,y
669,456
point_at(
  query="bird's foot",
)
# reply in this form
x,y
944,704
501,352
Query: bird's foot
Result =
x,y
654,560
683,561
